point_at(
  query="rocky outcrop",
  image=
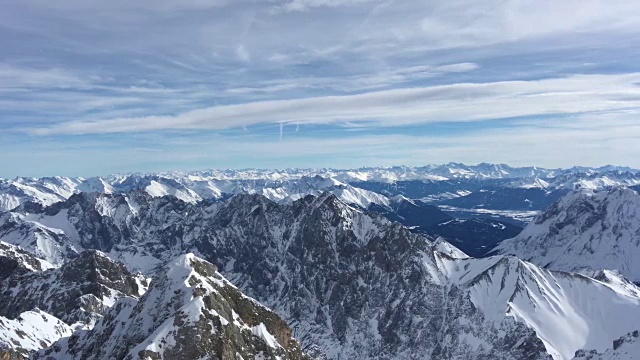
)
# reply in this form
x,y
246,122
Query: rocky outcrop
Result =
x,y
16,261
189,312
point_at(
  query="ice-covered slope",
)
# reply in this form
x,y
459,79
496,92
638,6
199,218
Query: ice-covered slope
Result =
x,y
47,237
189,312
157,188
584,229
446,248
614,280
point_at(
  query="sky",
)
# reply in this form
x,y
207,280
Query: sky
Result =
x,y
98,87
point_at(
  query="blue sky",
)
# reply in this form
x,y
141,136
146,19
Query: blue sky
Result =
x,y
96,87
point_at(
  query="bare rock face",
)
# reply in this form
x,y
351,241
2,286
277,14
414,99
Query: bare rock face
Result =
x,y
189,312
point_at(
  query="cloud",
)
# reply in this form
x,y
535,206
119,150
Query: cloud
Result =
x,y
444,103
359,82
460,67
590,139
243,54
306,5
460,23
17,77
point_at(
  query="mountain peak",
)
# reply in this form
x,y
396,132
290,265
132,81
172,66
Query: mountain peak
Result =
x,y
187,300
584,229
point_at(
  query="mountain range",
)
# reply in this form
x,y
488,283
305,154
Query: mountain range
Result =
x,y
432,182
323,264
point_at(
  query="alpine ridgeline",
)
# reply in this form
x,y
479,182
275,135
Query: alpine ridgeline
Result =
x,y
189,312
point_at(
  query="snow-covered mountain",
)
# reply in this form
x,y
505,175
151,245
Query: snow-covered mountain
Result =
x,y
385,174
566,311
349,283
40,303
584,229
189,188
78,292
95,184
584,179
189,312
46,191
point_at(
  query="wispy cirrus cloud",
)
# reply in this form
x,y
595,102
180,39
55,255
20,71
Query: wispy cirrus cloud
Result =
x,y
305,5
18,77
592,139
444,103
360,82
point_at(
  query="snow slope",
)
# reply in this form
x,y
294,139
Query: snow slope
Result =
x,y
46,237
567,311
625,348
31,331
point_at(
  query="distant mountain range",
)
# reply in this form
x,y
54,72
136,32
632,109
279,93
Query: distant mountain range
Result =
x,y
481,186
